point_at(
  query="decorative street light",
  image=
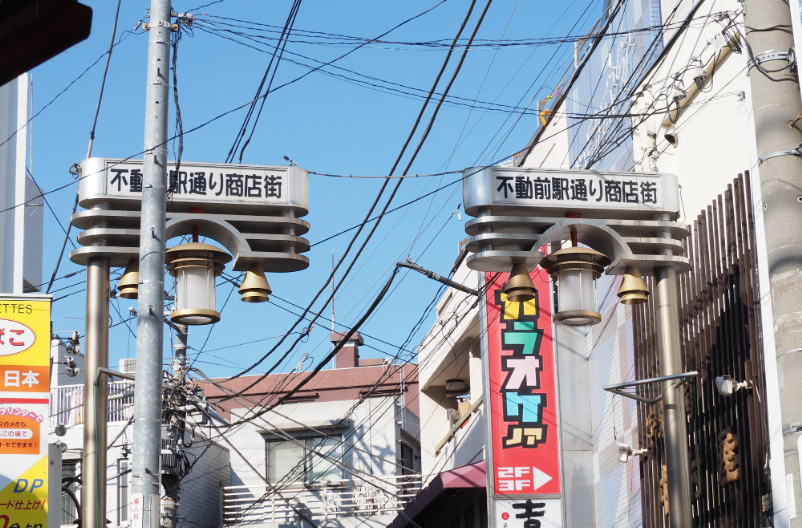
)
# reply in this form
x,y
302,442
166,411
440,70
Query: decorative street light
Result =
x,y
129,282
195,267
519,287
254,288
575,269
633,290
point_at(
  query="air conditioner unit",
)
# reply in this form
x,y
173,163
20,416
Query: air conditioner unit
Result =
x,y
128,366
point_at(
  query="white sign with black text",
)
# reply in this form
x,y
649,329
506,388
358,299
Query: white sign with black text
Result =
x,y
528,513
203,183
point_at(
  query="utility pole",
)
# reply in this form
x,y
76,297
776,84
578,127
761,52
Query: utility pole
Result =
x,y
775,104
150,307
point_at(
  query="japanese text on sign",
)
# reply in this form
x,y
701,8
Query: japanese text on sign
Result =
x,y
24,386
592,189
201,183
522,391
15,337
529,513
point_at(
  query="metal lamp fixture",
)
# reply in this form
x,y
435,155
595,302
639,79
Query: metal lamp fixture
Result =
x,y
575,270
633,290
727,385
254,288
129,282
519,287
625,452
195,267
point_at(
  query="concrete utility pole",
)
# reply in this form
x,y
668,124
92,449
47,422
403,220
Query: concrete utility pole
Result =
x,y
776,102
150,308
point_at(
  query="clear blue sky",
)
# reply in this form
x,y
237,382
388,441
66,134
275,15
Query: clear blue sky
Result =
x,y
325,124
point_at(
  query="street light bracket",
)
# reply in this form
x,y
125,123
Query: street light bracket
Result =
x,y
678,379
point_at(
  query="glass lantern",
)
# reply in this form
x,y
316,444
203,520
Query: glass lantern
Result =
x,y
576,269
195,267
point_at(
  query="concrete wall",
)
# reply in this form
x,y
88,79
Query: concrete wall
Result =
x,y
712,131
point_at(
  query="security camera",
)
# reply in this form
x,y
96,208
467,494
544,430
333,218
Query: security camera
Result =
x,y
727,386
671,135
625,452
60,430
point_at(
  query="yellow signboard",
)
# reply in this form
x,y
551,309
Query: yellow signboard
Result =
x,y
24,402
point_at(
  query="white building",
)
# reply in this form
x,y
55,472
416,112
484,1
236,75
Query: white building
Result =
x,y
696,124
20,201
341,452
201,496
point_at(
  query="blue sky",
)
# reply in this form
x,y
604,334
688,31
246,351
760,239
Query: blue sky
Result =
x,y
327,125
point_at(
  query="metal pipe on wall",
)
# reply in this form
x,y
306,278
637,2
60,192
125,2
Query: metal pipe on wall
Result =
x,y
150,307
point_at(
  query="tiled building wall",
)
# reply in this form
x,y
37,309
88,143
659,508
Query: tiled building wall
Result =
x,y
614,418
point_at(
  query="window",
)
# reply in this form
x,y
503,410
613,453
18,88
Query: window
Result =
x,y
122,491
69,512
314,462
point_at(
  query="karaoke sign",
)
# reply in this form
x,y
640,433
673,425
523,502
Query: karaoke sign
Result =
x,y
523,403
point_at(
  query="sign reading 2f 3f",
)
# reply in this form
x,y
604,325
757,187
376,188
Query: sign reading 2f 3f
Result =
x,y
522,391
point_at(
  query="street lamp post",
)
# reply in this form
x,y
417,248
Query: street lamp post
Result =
x,y
626,225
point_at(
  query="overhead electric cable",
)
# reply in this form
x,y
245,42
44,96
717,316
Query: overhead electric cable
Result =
x,y
370,211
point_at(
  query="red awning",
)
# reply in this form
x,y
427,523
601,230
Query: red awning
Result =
x,y
442,487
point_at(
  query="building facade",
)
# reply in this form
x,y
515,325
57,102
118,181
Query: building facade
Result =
x,y
343,450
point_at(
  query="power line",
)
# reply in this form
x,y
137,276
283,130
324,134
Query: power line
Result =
x,y
103,82
120,41
370,211
282,43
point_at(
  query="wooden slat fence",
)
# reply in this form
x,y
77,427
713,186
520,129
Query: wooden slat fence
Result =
x,y
720,317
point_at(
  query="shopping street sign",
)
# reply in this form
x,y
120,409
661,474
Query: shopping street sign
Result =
x,y
203,184
592,194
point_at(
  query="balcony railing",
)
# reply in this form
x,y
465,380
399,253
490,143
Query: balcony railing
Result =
x,y
67,403
358,497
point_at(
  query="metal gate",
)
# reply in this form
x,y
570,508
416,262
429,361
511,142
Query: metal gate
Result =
x,y
720,318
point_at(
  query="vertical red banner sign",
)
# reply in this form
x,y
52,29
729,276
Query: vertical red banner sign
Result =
x,y
523,400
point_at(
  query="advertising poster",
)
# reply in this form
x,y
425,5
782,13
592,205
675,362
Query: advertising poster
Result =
x,y
525,442
24,396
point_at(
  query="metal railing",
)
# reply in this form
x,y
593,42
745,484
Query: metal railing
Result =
x,y
361,496
67,403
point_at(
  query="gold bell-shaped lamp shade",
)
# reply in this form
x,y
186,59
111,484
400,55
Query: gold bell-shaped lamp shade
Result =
x,y
129,282
633,290
519,287
254,288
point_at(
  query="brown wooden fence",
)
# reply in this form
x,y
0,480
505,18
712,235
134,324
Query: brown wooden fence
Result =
x,y
720,317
